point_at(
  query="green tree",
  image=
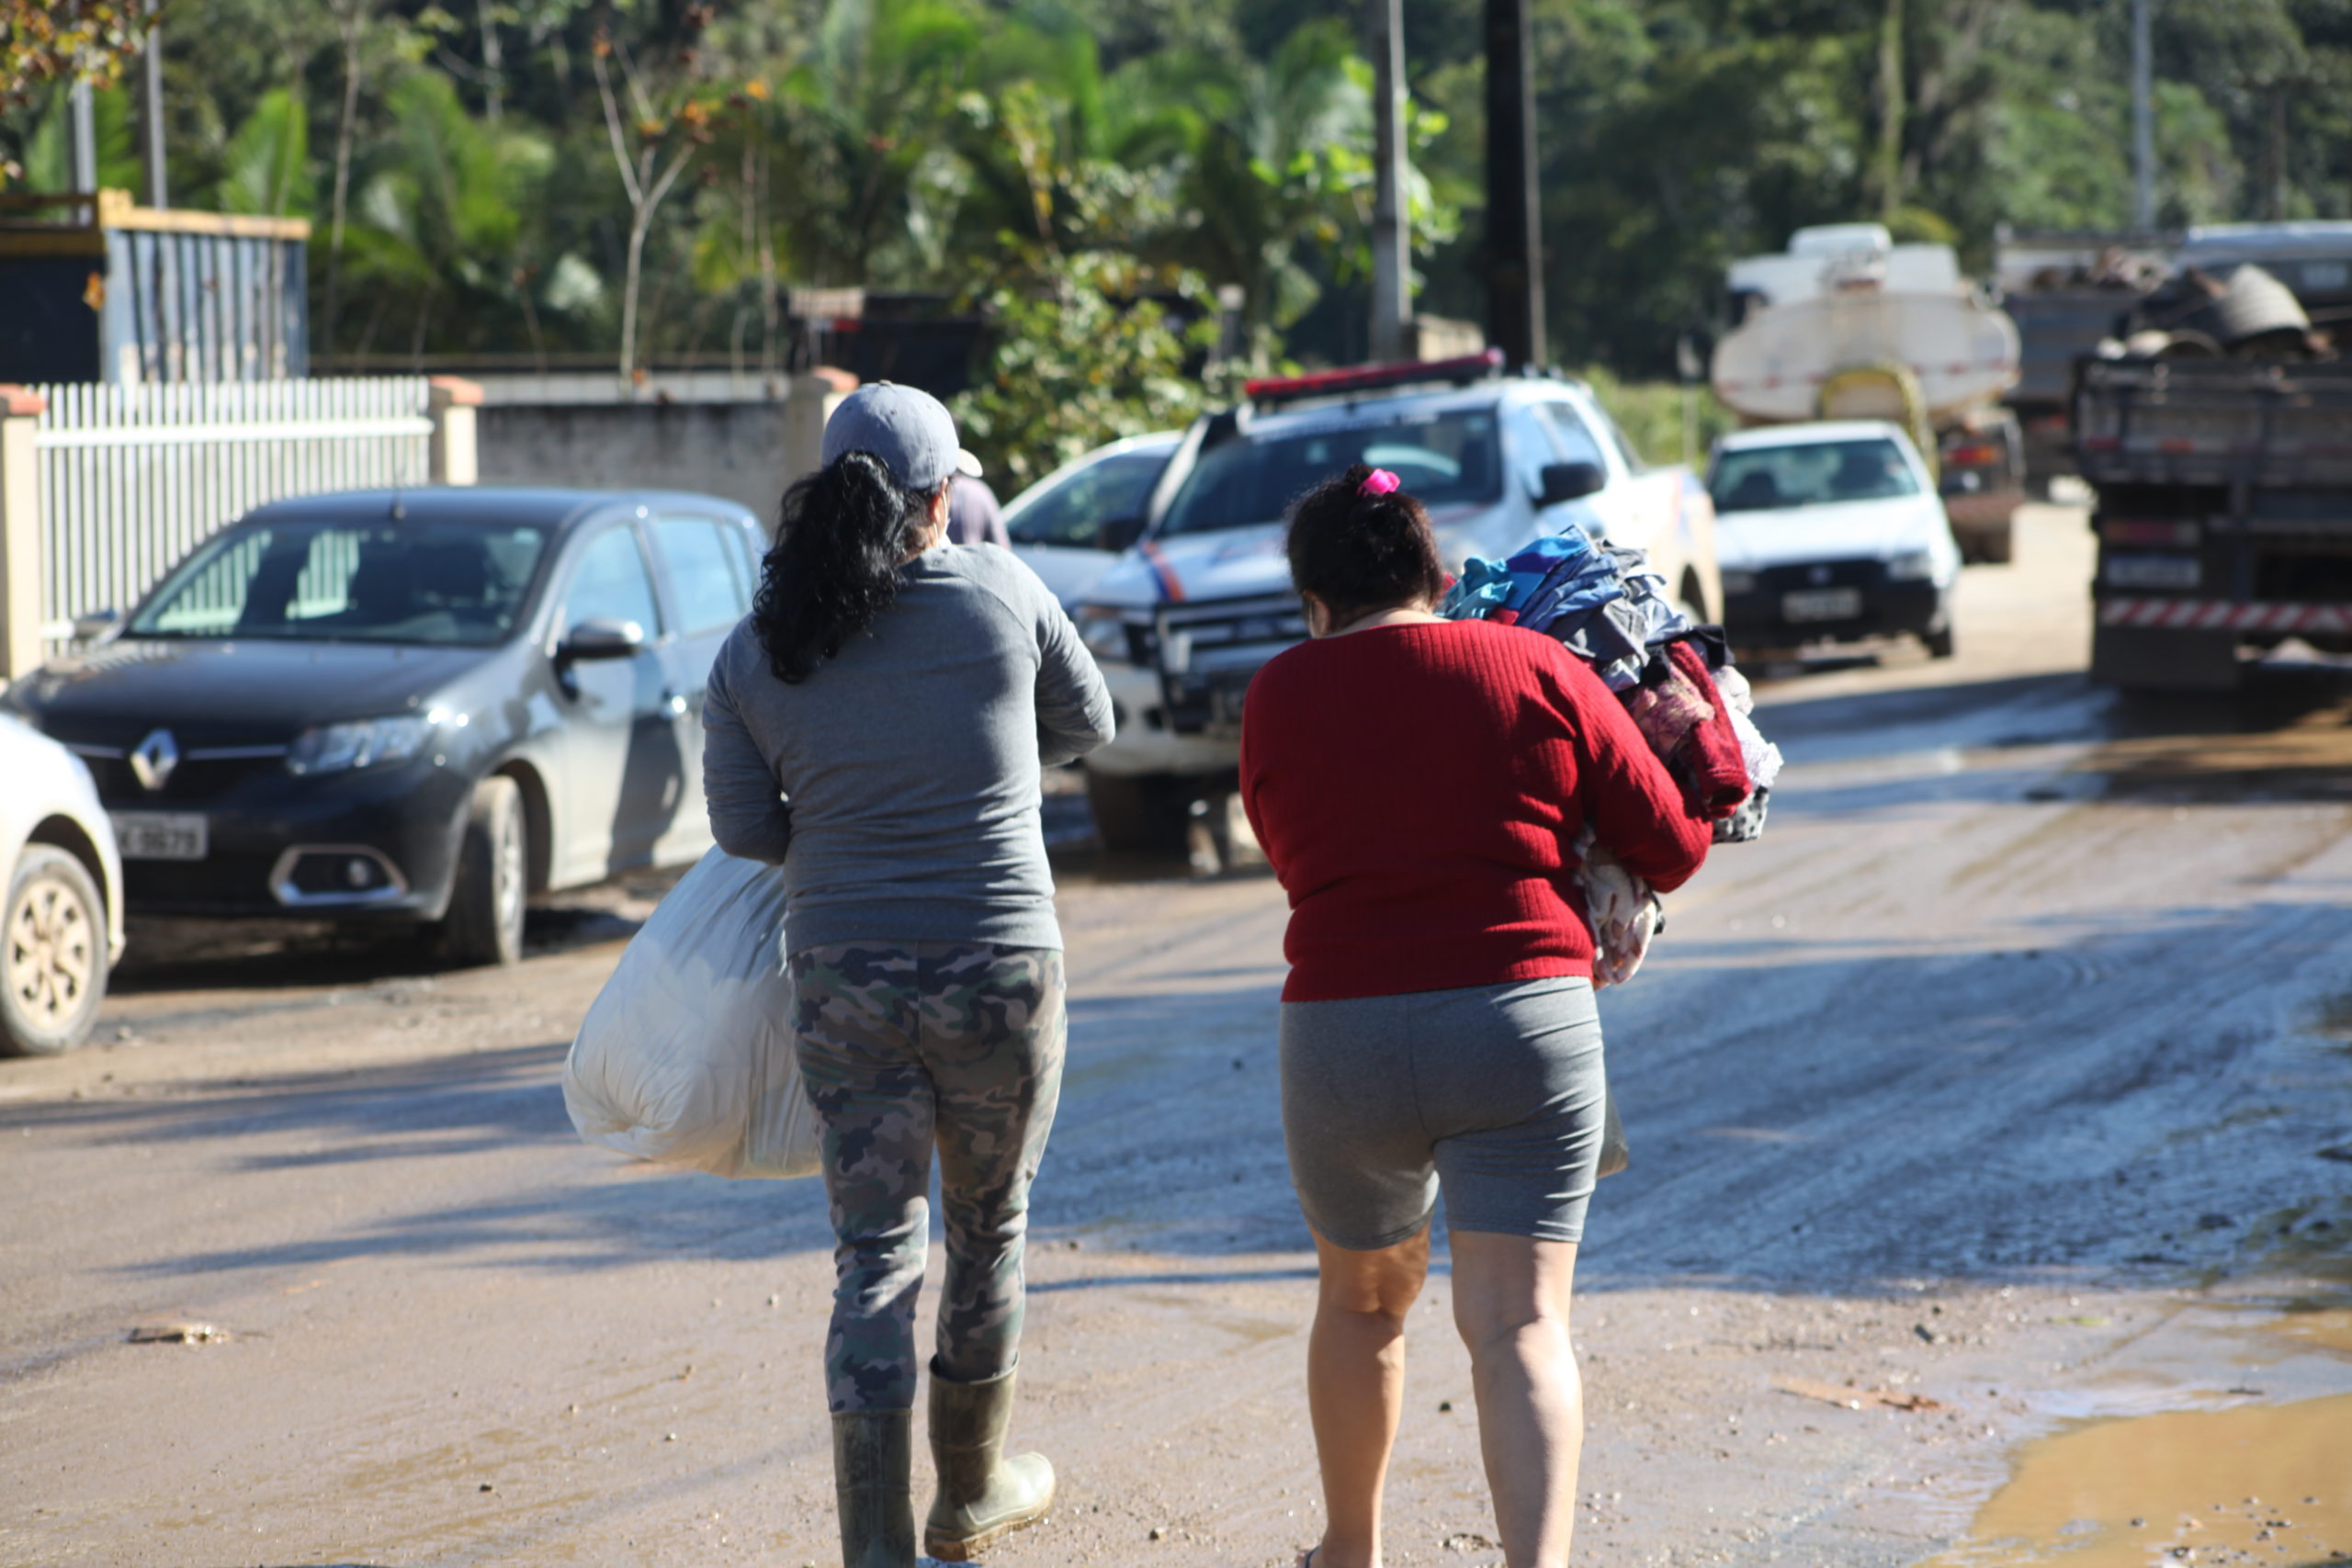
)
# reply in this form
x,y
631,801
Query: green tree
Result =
x,y
43,41
48,159
442,211
869,116
267,162
1082,359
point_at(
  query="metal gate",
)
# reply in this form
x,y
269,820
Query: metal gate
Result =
x,y
132,478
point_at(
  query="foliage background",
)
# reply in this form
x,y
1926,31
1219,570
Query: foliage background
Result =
x,y
463,159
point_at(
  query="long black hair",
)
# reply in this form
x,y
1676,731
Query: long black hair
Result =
x,y
1361,553
839,538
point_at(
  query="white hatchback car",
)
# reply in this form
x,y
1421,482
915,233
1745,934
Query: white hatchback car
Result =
x,y
1070,525
1831,533
63,912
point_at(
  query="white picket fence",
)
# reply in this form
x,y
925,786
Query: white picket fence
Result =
x,y
134,478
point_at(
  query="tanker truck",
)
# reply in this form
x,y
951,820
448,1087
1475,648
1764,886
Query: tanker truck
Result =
x,y
1848,324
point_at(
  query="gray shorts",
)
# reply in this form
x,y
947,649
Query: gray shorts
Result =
x,y
1494,1092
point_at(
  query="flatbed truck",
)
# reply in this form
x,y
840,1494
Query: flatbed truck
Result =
x,y
2224,513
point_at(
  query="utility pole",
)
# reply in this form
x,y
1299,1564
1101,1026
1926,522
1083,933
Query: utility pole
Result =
x,y
1514,237
151,110
2144,120
1392,302
81,138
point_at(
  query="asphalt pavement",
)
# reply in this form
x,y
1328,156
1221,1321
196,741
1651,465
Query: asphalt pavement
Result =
x,y
1992,1190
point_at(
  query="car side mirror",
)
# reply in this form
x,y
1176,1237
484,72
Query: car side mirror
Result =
x,y
97,623
600,636
1568,481
1117,532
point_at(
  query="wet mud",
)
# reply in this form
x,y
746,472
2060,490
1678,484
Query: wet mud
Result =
x,y
2256,1484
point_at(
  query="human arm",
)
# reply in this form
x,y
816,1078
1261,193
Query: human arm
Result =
x,y
1073,704
1253,752
748,816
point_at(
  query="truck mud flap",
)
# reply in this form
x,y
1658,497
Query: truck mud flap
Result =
x,y
2163,658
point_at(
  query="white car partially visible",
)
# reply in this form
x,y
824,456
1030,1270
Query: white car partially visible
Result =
x,y
1831,532
1070,525
61,927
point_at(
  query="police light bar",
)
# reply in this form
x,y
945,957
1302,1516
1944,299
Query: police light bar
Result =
x,y
1371,377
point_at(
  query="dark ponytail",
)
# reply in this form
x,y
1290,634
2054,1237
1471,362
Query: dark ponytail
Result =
x,y
1361,554
839,538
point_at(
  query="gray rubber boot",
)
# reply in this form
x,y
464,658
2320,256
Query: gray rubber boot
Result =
x,y
982,1495
873,1451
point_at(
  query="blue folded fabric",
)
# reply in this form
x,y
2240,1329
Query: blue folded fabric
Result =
x,y
1647,590
1574,587
1483,587
1486,589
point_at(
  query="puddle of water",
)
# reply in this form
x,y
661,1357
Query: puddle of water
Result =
x,y
2268,1483
2322,1330
1252,1328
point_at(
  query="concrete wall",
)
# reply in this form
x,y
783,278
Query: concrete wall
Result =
x,y
734,449
746,447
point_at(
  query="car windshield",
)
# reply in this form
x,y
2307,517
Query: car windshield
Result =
x,y
417,583
1444,459
1072,510
1760,478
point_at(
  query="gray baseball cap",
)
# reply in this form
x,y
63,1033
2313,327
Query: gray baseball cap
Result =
x,y
909,429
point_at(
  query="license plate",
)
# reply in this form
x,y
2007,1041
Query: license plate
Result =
x,y
1822,604
160,835
2153,571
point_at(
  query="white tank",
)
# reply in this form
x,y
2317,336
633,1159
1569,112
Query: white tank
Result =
x,y
1845,297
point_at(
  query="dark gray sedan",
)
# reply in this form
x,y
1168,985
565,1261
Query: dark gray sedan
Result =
x,y
418,705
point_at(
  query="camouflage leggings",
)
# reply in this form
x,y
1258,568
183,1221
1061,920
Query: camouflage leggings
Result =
x,y
902,1047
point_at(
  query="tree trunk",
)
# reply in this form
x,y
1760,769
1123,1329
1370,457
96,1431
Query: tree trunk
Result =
x,y
416,338
345,126
1888,165
639,217
2275,196
494,60
524,278
769,360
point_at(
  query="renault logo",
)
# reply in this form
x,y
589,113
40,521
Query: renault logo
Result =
x,y
154,759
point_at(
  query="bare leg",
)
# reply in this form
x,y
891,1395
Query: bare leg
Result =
x,y
1355,1386
1511,1301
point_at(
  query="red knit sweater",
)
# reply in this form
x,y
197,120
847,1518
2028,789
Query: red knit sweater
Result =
x,y
1418,789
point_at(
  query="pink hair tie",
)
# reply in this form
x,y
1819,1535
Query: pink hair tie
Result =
x,y
1380,481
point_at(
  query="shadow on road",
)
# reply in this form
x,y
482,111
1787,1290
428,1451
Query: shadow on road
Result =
x,y
1798,1118
181,954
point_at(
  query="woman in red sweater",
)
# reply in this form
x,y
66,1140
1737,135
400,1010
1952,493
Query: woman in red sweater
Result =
x,y
1418,785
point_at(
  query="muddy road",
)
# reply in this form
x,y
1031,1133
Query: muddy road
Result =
x,y
1991,1203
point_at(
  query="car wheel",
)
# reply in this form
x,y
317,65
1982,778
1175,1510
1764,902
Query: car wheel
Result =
x,y
53,955
1134,813
484,925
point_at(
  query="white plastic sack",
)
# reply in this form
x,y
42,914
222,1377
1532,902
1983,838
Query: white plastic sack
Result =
x,y
685,1058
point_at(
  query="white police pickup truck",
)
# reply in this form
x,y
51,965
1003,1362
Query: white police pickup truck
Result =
x,y
1184,618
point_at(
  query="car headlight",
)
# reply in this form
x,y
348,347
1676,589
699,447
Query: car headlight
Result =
x,y
1739,582
1104,632
363,743
1912,566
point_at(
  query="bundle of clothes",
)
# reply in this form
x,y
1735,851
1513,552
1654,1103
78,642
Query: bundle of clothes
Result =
x,y
1675,677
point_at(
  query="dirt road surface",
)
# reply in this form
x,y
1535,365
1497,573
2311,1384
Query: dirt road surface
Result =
x,y
1992,1203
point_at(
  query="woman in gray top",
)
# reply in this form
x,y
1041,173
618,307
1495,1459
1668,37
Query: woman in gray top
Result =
x,y
878,727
